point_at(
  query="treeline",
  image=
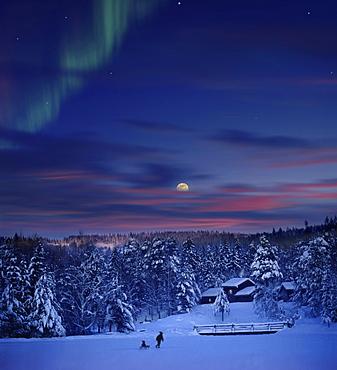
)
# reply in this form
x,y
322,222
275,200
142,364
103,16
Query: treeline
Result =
x,y
54,289
203,238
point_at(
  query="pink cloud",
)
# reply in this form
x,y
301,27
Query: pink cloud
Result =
x,y
63,175
247,203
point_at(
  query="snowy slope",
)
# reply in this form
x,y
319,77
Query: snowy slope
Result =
x,y
308,345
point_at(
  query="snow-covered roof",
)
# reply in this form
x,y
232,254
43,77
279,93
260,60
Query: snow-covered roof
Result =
x,y
211,292
246,291
235,282
289,285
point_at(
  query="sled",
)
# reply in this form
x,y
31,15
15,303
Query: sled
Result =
x,y
144,345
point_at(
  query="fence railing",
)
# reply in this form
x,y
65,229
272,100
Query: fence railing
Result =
x,y
245,328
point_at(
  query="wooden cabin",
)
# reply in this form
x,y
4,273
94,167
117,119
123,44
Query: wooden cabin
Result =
x,y
233,286
209,296
245,294
286,290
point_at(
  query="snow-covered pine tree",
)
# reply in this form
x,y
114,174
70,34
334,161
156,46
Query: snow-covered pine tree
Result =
x,y
132,274
265,268
309,269
155,267
234,265
81,291
4,258
145,247
222,263
189,256
208,277
267,274
44,319
14,301
37,266
114,264
118,310
8,252
286,262
329,299
266,304
221,304
249,257
95,266
129,263
187,290
172,270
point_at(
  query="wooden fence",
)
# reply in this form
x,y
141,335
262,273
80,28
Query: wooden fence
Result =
x,y
233,329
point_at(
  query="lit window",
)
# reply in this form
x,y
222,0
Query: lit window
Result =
x,y
230,291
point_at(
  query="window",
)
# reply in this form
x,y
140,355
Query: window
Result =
x,y
230,291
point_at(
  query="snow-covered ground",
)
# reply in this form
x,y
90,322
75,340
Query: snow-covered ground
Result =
x,y
308,345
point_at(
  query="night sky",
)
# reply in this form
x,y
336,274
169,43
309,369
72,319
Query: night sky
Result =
x,y
106,106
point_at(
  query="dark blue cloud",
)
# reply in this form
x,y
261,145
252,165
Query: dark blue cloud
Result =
x,y
155,127
36,152
250,139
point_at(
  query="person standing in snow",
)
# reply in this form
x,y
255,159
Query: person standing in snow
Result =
x,y
159,339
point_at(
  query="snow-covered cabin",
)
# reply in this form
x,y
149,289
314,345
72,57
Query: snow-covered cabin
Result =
x,y
234,285
209,296
286,290
245,294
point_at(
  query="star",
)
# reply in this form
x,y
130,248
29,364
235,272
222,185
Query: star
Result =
x,y
309,13
179,2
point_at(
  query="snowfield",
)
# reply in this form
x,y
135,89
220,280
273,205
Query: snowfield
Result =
x,y
308,345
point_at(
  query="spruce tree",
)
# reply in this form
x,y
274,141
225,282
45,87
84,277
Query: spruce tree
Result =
x,y
234,265
155,267
221,304
309,270
44,319
266,273
172,272
249,257
14,301
37,266
265,268
81,289
132,275
187,291
222,263
189,256
208,277
329,300
118,309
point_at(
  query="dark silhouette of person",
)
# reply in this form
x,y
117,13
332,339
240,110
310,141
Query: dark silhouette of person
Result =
x,y
144,345
159,339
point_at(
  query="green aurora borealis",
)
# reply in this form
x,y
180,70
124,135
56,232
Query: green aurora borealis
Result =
x,y
45,64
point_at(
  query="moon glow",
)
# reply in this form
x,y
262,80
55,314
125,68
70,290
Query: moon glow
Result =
x,y
182,187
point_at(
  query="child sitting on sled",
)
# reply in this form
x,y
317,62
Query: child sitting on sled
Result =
x,y
144,345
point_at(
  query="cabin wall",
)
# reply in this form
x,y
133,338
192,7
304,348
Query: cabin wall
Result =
x,y
205,300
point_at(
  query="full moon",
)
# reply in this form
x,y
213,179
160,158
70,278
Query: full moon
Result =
x,y
182,187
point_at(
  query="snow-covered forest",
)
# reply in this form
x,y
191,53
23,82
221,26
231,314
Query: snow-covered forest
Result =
x,y
77,286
